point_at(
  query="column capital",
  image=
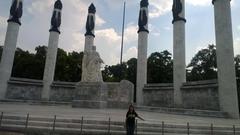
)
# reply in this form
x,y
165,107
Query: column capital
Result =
x,y
177,9
16,11
90,24
56,17
179,19
143,17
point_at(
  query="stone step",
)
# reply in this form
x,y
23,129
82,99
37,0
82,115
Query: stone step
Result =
x,y
73,131
22,119
182,111
141,127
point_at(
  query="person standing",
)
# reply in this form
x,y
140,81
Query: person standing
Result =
x,y
130,120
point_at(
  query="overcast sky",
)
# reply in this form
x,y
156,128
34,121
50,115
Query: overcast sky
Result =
x,y
37,14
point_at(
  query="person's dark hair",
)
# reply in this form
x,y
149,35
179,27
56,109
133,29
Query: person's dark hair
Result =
x,y
130,107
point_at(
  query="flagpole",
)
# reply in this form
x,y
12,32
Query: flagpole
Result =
x,y
123,25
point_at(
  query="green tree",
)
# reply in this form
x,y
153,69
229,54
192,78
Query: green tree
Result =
x,y
29,65
62,67
131,70
115,73
68,66
160,67
203,65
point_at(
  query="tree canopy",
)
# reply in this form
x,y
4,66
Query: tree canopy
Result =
x,y
203,65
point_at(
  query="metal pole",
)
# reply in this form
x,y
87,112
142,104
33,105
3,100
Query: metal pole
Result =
x,y
81,125
124,9
26,123
1,118
136,127
188,127
54,124
109,122
234,130
211,129
163,128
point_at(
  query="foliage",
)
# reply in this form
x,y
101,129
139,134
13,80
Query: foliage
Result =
x,y
160,67
203,65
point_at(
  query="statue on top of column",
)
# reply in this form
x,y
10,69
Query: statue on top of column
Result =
x,y
16,11
56,17
177,8
143,16
90,21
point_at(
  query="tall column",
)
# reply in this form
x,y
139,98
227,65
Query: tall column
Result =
x,y
89,44
90,26
179,64
225,58
142,50
50,63
10,43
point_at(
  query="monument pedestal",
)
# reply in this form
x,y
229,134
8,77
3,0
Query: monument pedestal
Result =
x,y
90,95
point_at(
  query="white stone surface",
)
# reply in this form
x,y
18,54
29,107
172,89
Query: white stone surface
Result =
x,y
64,111
179,62
91,67
8,56
141,65
50,63
89,42
225,58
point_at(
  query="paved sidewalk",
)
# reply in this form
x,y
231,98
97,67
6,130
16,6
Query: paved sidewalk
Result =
x,y
66,111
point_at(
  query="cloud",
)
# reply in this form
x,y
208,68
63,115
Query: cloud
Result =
x,y
159,7
107,42
238,27
3,21
130,33
3,27
237,46
40,6
199,2
130,53
154,30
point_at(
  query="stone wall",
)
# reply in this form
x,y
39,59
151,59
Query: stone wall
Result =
x,y
25,89
158,95
196,95
118,95
200,95
62,91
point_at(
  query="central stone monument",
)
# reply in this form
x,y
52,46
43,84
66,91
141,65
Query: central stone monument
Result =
x,y
91,92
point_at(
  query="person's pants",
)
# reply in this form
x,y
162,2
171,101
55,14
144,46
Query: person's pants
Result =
x,y
130,129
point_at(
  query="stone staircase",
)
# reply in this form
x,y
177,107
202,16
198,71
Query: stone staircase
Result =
x,y
33,125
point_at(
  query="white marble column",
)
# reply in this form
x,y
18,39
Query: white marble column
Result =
x,y
142,51
225,58
141,65
179,63
50,63
10,45
89,43
8,56
51,57
90,28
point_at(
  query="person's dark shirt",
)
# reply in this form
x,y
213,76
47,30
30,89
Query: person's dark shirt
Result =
x,y
131,117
